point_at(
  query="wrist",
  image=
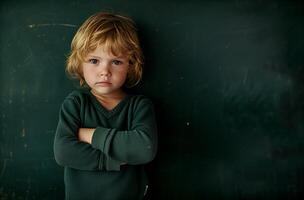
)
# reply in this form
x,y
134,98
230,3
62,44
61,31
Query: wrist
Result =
x,y
86,134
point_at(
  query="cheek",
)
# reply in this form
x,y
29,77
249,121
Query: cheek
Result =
x,y
122,75
87,74
87,70
84,73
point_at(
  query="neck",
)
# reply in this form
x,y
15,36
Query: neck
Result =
x,y
111,100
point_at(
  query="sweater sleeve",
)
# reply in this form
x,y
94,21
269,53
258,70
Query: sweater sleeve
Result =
x,y
68,150
135,146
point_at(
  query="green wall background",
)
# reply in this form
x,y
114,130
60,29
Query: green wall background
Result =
x,y
226,78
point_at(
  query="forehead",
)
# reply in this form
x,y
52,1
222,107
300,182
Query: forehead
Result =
x,y
107,51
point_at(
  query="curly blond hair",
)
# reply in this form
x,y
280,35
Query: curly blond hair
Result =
x,y
116,33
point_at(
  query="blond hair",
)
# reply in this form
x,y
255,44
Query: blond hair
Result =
x,y
116,33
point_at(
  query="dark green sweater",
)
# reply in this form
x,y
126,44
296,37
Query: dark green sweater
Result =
x,y
126,134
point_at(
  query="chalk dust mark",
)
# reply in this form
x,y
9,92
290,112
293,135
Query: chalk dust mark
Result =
x,y
53,24
28,57
29,187
23,132
3,168
23,129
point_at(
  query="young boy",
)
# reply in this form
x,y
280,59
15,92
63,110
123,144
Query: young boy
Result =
x,y
104,135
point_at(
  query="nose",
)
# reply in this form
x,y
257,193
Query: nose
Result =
x,y
104,70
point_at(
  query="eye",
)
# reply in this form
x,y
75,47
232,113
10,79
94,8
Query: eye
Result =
x,y
117,62
93,61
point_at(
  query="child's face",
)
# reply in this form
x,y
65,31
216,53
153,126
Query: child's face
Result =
x,y
104,72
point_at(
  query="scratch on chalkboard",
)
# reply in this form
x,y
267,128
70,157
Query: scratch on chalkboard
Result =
x,y
53,24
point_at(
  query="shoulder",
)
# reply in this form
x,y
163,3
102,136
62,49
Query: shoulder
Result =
x,y
140,99
140,102
77,96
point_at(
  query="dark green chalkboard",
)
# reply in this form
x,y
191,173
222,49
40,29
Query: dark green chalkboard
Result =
x,y
226,78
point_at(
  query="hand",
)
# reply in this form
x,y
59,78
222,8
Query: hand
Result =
x,y
86,134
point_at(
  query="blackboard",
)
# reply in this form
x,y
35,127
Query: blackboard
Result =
x,y
226,78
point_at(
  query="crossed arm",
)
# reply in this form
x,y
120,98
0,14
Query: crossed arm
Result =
x,y
86,134
104,148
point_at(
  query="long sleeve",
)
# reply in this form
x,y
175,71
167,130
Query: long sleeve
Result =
x,y
68,150
135,146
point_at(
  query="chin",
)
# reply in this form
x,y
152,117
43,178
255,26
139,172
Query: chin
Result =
x,y
104,91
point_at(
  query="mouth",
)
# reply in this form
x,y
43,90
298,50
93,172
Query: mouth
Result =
x,y
102,83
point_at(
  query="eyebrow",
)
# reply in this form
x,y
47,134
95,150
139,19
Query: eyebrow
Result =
x,y
90,55
119,57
